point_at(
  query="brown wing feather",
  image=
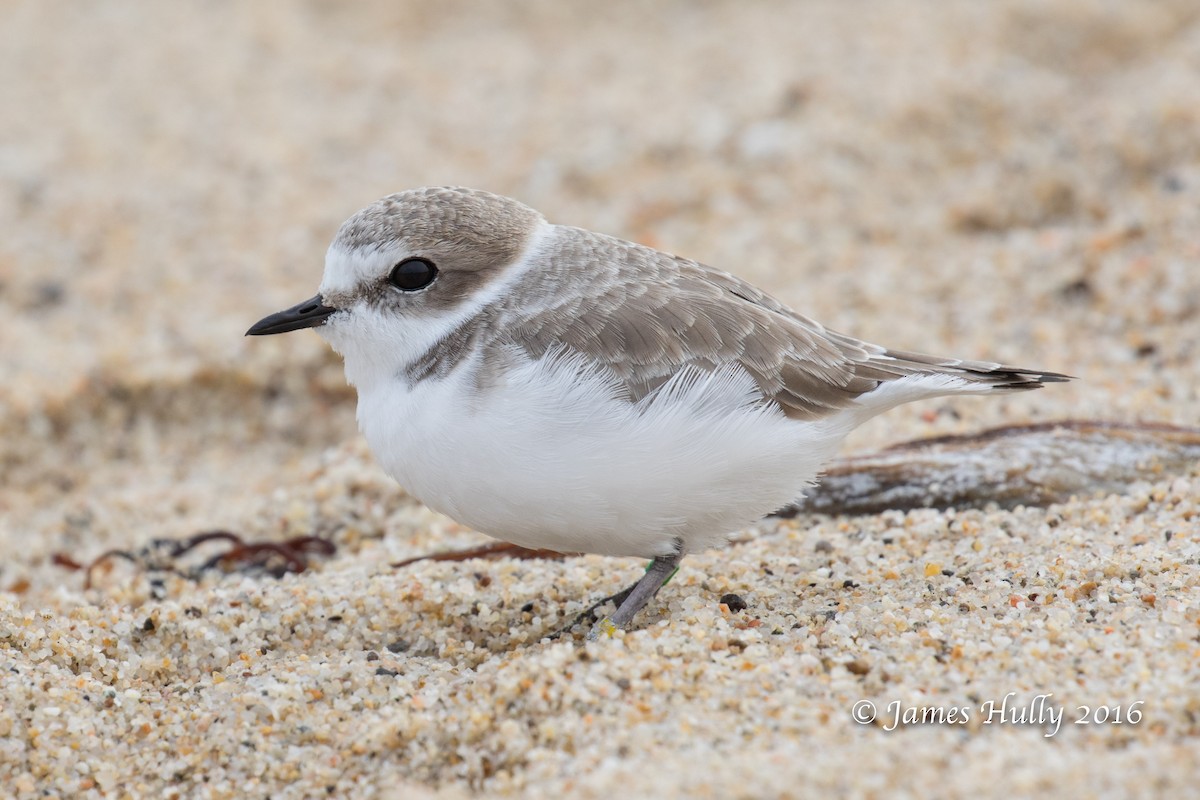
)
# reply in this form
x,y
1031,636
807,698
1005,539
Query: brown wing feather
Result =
x,y
646,315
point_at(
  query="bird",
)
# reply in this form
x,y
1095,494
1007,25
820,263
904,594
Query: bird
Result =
x,y
567,390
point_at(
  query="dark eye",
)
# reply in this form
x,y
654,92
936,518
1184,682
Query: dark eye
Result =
x,y
412,274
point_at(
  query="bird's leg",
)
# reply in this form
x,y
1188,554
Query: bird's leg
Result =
x,y
658,573
632,600
590,611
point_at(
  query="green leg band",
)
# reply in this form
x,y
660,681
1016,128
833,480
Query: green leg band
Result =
x,y
668,580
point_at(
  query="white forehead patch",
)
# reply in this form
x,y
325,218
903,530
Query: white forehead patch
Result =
x,y
346,269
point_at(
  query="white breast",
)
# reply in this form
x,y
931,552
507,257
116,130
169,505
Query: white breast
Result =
x,y
554,457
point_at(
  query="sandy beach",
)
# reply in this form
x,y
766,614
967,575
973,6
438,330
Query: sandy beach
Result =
x,y
1013,181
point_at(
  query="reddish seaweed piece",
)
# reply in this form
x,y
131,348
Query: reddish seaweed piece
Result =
x,y
489,551
159,555
259,554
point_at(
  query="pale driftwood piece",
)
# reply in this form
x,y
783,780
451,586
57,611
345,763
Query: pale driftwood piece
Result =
x,y
1030,465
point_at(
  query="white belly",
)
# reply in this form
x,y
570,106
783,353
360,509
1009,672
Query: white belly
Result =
x,y
553,457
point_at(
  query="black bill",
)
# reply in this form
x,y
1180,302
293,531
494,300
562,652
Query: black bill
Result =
x,y
309,314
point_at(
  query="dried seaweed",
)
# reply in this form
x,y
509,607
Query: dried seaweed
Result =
x,y
491,551
162,555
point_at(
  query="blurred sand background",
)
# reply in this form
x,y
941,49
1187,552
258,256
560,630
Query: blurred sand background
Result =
x,y
1017,181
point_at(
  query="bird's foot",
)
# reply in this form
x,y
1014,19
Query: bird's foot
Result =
x,y
629,601
604,628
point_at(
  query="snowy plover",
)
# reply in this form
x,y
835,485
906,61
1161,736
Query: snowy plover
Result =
x,y
562,389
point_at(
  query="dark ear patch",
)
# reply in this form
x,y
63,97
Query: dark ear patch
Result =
x,y
452,288
447,354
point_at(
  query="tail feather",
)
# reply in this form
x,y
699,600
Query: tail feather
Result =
x,y
884,365
905,377
989,375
